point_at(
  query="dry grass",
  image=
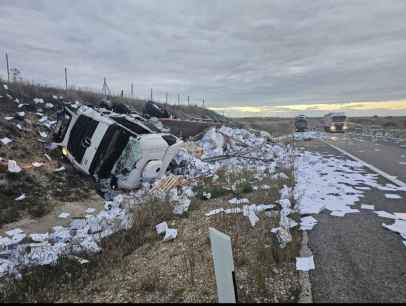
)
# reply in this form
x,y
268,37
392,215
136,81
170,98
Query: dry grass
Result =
x,y
136,266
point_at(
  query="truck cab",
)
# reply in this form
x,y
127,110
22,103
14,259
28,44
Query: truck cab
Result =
x,y
335,122
108,145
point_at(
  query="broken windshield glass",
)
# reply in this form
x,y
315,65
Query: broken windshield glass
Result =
x,y
129,157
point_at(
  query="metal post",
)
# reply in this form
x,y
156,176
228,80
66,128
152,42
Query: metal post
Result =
x,y
8,69
66,78
223,266
188,100
151,94
178,99
132,90
166,98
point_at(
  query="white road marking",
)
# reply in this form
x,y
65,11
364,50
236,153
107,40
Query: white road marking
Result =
x,y
389,177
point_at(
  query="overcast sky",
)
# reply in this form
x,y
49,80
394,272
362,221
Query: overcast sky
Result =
x,y
260,54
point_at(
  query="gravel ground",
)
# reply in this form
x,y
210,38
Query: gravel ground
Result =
x,y
357,260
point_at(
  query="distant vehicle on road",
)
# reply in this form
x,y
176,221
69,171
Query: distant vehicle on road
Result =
x,y
335,122
301,123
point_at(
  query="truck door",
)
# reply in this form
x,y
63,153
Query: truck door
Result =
x,y
80,138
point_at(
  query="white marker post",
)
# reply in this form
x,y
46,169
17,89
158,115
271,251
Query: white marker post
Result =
x,y
223,266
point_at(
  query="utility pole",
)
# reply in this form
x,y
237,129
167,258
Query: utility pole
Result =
x,y
122,92
178,99
66,78
132,90
203,102
151,94
166,98
8,69
188,100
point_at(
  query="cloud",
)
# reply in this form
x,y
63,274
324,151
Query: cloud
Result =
x,y
250,53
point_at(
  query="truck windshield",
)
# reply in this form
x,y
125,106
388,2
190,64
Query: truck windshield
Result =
x,y
129,157
339,118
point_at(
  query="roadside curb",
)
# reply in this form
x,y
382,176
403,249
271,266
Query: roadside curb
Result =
x,y
305,295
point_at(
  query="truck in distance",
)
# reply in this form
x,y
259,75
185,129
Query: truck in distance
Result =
x,y
301,123
335,122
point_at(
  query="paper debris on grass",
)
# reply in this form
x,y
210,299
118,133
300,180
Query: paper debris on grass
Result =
x,y
214,212
305,263
37,164
161,228
5,86
5,140
253,218
64,215
13,167
21,197
13,232
170,234
39,237
384,214
60,169
43,134
8,118
38,100
21,114
392,196
239,201
366,206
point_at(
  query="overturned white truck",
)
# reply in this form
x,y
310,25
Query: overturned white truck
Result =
x,y
121,148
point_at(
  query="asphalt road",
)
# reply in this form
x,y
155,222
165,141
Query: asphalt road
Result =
x,y
384,156
358,260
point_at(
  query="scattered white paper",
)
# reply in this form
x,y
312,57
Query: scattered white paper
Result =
x,y
90,210
305,263
64,215
21,114
392,196
21,197
399,226
161,228
214,212
307,223
338,213
366,206
39,237
13,167
170,234
60,169
14,232
384,214
5,140
37,164
401,216
238,201
43,134
8,118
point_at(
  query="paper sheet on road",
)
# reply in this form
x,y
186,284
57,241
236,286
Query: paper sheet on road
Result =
x,y
384,214
305,263
392,196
